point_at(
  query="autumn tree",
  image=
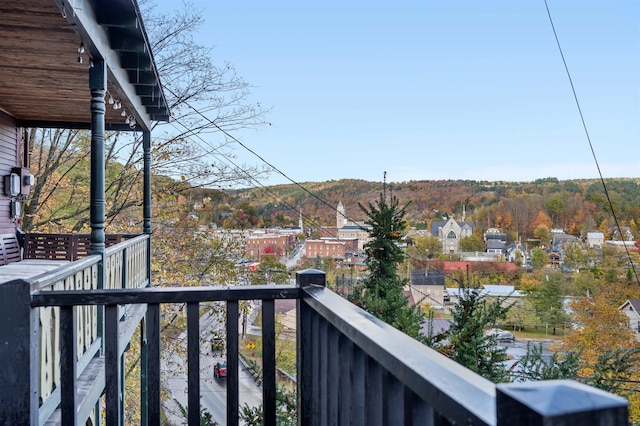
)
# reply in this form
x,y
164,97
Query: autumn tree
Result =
x,y
608,350
520,315
380,292
421,249
472,243
539,258
543,233
59,157
270,271
547,299
576,256
542,219
612,370
556,206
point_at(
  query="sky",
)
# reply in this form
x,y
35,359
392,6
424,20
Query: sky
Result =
x,y
429,90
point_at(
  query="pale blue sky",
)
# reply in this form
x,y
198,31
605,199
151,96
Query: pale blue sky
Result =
x,y
428,90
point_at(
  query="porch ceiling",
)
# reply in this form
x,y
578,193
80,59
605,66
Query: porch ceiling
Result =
x,y
43,83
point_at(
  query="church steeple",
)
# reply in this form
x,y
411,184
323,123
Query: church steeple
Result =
x,y
341,216
300,225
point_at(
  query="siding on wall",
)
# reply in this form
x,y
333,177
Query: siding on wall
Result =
x,y
8,159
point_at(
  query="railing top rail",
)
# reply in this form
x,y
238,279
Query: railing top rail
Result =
x,y
439,380
125,244
42,281
162,295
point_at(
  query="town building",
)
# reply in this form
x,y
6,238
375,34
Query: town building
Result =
x,y
346,229
450,233
427,287
595,239
338,249
631,308
495,241
274,243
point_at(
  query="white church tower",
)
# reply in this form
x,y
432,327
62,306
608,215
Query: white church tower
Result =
x,y
300,225
341,216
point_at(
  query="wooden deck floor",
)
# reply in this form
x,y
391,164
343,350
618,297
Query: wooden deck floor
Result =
x,y
28,268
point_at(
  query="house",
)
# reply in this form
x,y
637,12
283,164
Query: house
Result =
x,y
506,292
631,308
554,259
626,233
427,287
495,240
515,252
560,240
47,82
450,232
595,239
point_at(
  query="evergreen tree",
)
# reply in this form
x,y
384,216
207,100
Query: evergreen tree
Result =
x,y
380,293
466,342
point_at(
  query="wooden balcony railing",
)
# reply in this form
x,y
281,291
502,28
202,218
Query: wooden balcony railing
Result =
x,y
351,367
34,349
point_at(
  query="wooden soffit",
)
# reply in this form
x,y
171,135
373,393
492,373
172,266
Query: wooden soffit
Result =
x,y
44,84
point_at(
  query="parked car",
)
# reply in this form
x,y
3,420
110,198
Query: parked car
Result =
x,y
217,345
220,370
500,335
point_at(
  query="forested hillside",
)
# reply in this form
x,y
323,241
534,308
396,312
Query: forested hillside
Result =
x,y
518,208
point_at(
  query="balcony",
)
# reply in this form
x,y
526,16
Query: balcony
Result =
x,y
351,367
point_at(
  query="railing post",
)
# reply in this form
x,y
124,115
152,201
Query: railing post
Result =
x,y
233,384
311,277
19,352
269,386
558,402
304,339
98,86
146,190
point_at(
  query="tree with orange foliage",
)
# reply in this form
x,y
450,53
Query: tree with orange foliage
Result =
x,y
542,219
599,350
603,330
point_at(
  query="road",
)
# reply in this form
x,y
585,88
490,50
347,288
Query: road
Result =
x,y
292,260
518,349
213,391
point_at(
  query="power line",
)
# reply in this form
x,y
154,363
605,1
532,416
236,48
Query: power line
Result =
x,y
225,159
584,126
230,136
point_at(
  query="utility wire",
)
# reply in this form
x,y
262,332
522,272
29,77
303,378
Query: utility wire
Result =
x,y
275,196
230,136
593,153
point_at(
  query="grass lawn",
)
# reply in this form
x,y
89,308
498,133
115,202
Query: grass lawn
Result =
x,y
254,354
251,349
538,333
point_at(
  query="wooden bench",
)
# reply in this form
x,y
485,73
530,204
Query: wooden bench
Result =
x,y
9,249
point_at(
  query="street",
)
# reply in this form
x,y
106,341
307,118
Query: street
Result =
x,y
213,391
